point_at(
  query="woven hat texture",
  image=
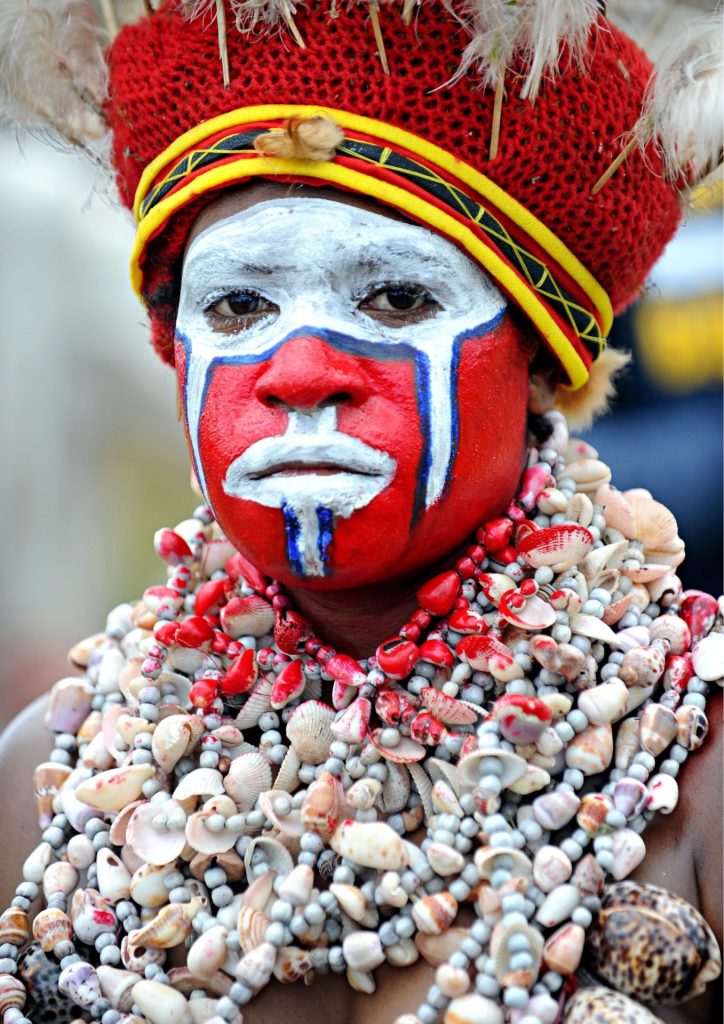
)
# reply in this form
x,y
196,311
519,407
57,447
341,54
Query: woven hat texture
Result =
x,y
166,79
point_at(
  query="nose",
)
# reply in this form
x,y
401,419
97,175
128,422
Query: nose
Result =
x,y
307,373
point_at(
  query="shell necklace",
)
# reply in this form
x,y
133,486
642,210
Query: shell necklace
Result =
x,y
223,779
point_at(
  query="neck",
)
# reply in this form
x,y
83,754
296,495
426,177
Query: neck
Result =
x,y
356,621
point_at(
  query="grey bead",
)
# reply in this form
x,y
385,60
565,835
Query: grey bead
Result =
x,y
110,1017
241,994
110,956
7,965
222,896
141,756
427,1014
21,902
696,699
54,835
459,889
27,889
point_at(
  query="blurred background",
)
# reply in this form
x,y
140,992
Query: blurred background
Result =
x,y
94,461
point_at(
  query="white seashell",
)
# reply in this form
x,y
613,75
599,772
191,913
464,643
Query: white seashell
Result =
x,y
151,845
395,789
474,767
627,743
36,863
391,887
112,790
148,888
435,913
255,967
473,1009
487,860
604,703
297,886
161,1004
402,953
370,844
444,860
362,794
361,981
114,880
551,501
591,750
554,810
444,799
200,782
248,776
663,793
252,925
708,657
116,986
579,509
287,779
206,840
549,742
208,952
275,854
588,474
444,771
309,731
558,905
533,781
594,628
551,868
257,704
363,950
351,900
629,850
636,697
563,949
171,739
80,852
502,955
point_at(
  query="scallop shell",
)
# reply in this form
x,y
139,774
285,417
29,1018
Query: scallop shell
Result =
x,y
529,613
637,516
423,785
257,704
151,845
561,547
203,839
309,731
200,782
287,821
287,778
275,854
252,925
169,927
652,945
443,771
602,1005
249,775
395,789
447,709
406,751
518,864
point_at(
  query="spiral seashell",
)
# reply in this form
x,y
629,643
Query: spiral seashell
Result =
x,y
602,1005
434,914
116,986
160,1004
137,958
402,953
48,778
208,952
362,794
320,808
309,731
554,810
663,793
591,750
627,743
351,900
692,725
50,927
630,797
642,666
363,950
604,703
652,945
171,739
591,815
14,927
657,728
12,993
169,927
292,964
256,966
551,868
563,949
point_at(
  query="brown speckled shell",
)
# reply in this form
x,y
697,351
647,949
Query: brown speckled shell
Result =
x,y
598,1005
651,945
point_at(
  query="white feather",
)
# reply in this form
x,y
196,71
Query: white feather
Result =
x,y
546,25
494,27
52,69
262,14
684,104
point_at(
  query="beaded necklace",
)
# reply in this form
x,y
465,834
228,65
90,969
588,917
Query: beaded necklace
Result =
x,y
222,778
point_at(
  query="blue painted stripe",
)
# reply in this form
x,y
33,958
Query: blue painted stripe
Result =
x,y
325,520
292,529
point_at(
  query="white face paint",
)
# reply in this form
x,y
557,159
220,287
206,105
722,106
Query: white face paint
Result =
x,y
316,260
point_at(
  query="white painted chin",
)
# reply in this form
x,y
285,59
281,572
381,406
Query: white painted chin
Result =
x,y
342,492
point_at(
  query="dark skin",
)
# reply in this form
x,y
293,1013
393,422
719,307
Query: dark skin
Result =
x,y
683,850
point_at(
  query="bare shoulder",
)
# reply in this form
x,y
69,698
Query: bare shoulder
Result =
x,y
23,745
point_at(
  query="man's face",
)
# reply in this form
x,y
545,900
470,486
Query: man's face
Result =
x,y
354,390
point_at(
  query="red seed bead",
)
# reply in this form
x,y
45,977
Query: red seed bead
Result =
x,y
324,654
194,632
264,657
220,643
515,513
421,618
466,568
438,594
279,601
476,552
234,649
272,590
497,534
410,631
507,556
203,693
528,587
312,646
165,632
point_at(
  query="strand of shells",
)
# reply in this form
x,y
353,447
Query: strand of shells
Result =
x,y
224,782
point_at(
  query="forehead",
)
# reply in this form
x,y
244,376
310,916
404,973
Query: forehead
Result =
x,y
296,228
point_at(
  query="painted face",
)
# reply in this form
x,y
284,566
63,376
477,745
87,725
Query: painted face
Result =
x,y
354,391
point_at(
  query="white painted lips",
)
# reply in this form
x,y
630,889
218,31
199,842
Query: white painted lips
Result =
x,y
271,471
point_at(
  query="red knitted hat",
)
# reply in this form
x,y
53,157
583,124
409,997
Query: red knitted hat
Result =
x,y
166,85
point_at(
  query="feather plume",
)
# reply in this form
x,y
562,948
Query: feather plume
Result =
x,y
583,406
545,26
52,69
494,29
684,105
254,15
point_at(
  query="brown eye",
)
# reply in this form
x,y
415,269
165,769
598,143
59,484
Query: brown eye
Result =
x,y
404,302
240,304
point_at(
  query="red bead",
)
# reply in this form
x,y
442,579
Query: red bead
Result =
x,y
165,632
194,632
210,596
535,480
466,568
437,653
345,670
397,657
477,553
288,685
437,596
241,674
272,590
507,556
410,632
425,728
237,567
312,646
698,610
497,534
220,643
466,621
324,653
234,649
279,601
264,657
678,672
421,618
172,548
203,693
515,513
528,588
